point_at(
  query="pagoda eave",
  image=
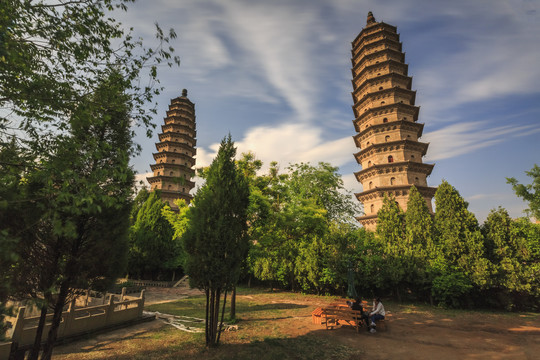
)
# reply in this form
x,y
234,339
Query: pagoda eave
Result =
x,y
394,167
400,124
396,190
160,166
386,109
392,146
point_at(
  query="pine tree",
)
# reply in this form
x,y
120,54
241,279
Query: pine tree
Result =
x,y
215,241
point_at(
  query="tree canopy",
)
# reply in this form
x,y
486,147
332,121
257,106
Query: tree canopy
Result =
x,y
530,192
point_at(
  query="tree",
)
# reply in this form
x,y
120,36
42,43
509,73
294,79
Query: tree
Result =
x,y
85,199
530,192
153,252
324,185
459,239
391,238
54,53
506,248
54,59
215,240
419,239
305,204
179,221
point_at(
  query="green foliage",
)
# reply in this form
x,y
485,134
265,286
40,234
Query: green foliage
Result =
x,y
298,229
459,237
154,252
419,228
216,241
396,254
69,97
178,219
530,192
508,247
54,53
452,288
324,185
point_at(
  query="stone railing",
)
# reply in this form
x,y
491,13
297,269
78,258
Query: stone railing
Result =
x,y
74,321
152,283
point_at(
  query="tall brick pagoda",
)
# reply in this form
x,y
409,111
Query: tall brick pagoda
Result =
x,y
386,122
173,169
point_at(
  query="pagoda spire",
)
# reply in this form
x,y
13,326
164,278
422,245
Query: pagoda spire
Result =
x,y
370,18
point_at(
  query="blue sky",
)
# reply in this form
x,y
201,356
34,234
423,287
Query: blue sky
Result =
x,y
276,75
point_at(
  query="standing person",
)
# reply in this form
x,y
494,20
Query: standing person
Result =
x,y
357,305
377,313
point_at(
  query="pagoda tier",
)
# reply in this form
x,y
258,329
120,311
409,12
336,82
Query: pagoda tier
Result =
x,y
175,160
385,121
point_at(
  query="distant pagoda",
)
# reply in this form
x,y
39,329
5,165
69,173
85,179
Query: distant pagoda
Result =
x,y
173,169
385,122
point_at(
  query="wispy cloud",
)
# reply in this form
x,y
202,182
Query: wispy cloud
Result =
x,y
462,138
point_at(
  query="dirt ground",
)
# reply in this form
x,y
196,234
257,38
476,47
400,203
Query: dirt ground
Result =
x,y
157,295
411,334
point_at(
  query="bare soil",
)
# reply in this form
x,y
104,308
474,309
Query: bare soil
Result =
x,y
412,333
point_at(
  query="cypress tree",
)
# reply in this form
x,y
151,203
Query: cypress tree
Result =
x,y
390,235
460,240
215,240
419,239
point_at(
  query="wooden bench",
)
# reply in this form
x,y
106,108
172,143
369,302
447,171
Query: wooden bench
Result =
x,y
332,317
382,325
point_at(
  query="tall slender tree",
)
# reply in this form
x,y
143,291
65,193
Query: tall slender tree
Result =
x,y
419,239
391,237
459,239
216,241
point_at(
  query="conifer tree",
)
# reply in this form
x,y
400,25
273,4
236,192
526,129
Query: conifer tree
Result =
x,y
215,240
419,238
391,236
153,251
460,240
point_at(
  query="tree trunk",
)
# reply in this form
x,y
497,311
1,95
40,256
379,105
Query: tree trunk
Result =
x,y
34,353
57,317
215,316
233,303
207,323
222,315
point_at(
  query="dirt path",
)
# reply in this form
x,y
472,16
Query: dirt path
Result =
x,y
419,336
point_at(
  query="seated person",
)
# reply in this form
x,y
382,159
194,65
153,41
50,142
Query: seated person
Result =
x,y
377,313
357,305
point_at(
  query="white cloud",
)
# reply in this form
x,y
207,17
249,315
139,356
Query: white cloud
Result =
x,y
295,143
463,138
140,180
